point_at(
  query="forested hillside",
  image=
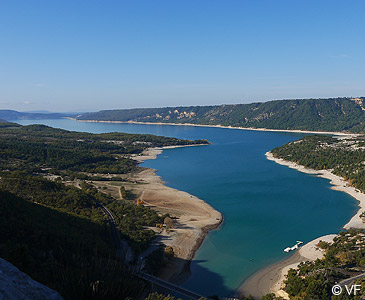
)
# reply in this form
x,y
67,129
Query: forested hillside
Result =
x,y
337,114
66,251
55,230
38,148
344,157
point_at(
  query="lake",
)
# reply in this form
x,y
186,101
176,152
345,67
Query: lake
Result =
x,y
266,206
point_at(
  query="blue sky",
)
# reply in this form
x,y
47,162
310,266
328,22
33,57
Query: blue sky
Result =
x,y
62,55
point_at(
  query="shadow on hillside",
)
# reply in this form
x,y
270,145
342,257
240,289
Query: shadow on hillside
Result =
x,y
208,284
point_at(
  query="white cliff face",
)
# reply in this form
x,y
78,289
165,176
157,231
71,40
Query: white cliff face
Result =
x,y
16,285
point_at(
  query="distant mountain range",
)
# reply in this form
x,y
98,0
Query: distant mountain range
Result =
x,y
10,115
334,114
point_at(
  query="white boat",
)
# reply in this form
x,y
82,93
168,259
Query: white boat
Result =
x,y
296,246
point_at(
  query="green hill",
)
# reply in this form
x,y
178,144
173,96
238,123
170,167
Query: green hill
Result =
x,y
7,114
54,230
335,114
61,250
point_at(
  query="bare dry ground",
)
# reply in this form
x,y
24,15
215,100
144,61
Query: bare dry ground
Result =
x,y
192,216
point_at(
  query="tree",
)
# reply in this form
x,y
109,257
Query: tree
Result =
x,y
157,296
169,223
169,252
123,192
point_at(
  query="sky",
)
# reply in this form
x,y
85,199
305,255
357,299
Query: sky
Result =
x,y
78,56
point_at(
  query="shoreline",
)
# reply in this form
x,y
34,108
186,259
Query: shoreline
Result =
x,y
338,184
220,126
268,280
194,217
271,278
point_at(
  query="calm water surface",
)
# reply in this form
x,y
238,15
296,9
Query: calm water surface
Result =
x,y
266,206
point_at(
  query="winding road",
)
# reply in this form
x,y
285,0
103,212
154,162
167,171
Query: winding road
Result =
x,y
123,251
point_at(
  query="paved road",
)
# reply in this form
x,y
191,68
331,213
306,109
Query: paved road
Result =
x,y
123,252
122,247
167,285
349,281
155,245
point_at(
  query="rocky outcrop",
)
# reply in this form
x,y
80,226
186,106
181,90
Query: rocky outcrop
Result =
x,y
15,284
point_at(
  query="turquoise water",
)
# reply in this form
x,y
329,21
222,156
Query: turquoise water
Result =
x,y
266,206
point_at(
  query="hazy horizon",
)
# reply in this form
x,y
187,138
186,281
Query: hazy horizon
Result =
x,y
87,111
88,56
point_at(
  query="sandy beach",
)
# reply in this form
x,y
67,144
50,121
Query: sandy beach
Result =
x,y
270,279
194,217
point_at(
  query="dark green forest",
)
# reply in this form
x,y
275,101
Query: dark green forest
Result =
x,y
334,114
84,203
57,233
35,148
62,250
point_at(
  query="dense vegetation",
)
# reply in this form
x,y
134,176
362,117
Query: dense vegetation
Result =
x,y
337,114
130,218
345,258
37,148
72,255
344,157
57,233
